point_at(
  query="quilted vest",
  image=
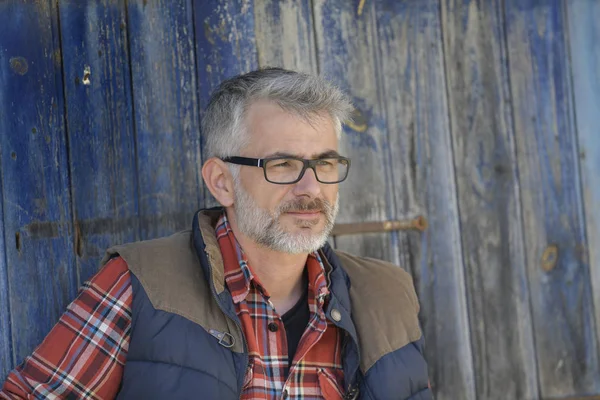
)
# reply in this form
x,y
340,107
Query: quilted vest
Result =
x,y
186,341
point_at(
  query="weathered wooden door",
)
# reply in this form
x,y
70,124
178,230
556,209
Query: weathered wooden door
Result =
x,y
480,116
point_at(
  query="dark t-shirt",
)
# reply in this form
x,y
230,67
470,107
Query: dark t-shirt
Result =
x,y
295,322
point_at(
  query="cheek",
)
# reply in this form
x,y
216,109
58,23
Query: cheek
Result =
x,y
268,196
330,192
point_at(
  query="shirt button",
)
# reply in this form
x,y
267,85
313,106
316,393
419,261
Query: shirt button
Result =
x,y
336,315
273,327
285,394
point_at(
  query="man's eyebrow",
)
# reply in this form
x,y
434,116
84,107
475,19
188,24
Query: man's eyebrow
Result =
x,y
325,154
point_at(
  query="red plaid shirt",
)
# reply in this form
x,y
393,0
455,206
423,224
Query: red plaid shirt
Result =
x,y
84,354
316,371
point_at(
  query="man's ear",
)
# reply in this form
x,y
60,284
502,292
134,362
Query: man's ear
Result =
x,y
219,181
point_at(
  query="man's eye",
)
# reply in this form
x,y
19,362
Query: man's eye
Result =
x,y
325,163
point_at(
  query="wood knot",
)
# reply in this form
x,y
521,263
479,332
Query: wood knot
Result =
x,y
19,65
550,257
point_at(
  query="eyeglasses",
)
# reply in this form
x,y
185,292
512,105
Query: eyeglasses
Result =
x,y
288,170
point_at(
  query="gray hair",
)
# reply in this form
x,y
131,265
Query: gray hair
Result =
x,y
301,94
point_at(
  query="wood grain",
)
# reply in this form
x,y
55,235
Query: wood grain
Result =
x,y
423,181
226,47
347,55
561,298
489,200
100,128
584,32
6,353
285,34
41,267
167,125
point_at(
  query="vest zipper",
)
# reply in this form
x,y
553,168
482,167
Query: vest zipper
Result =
x,y
246,356
235,320
226,339
352,390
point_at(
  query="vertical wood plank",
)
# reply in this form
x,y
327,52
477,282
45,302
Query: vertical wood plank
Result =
x,y
101,142
37,213
424,183
489,202
163,67
584,31
555,243
226,47
347,55
6,353
285,34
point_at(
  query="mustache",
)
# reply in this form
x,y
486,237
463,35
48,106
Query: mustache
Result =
x,y
303,205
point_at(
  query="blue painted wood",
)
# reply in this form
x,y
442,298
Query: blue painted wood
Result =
x,y
6,353
424,183
100,128
225,42
584,31
561,297
161,39
347,54
37,213
285,34
225,47
489,200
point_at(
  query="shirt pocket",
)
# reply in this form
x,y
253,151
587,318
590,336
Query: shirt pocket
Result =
x,y
330,389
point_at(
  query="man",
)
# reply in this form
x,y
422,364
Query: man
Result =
x,y
251,302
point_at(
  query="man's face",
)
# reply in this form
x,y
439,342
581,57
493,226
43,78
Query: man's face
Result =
x,y
294,218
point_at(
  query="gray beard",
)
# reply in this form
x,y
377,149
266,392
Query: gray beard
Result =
x,y
264,228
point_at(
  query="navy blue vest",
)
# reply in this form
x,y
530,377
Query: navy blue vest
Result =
x,y
172,357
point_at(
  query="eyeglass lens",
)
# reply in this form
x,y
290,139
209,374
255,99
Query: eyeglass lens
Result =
x,y
285,170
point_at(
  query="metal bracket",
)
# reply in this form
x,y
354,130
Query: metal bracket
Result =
x,y
419,223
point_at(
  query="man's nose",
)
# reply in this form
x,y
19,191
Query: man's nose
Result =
x,y
308,185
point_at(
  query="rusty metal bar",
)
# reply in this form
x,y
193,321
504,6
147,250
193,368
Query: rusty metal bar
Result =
x,y
419,223
593,397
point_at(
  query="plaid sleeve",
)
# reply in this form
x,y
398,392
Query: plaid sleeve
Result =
x,y
83,355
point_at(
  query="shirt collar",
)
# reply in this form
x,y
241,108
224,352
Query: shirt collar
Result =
x,y
240,278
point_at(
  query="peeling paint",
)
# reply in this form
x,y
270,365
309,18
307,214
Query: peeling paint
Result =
x,y
358,122
361,5
87,74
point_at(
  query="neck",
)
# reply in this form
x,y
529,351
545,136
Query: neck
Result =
x,y
280,273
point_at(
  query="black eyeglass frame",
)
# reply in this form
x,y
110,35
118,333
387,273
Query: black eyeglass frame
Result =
x,y
262,162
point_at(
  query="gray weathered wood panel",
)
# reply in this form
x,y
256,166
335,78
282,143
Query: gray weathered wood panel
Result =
x,y
555,243
347,54
489,200
284,34
584,40
424,184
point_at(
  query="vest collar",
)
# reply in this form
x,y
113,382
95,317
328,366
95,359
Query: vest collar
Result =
x,y
205,242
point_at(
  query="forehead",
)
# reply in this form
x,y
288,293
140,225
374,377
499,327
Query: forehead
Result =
x,y
274,130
